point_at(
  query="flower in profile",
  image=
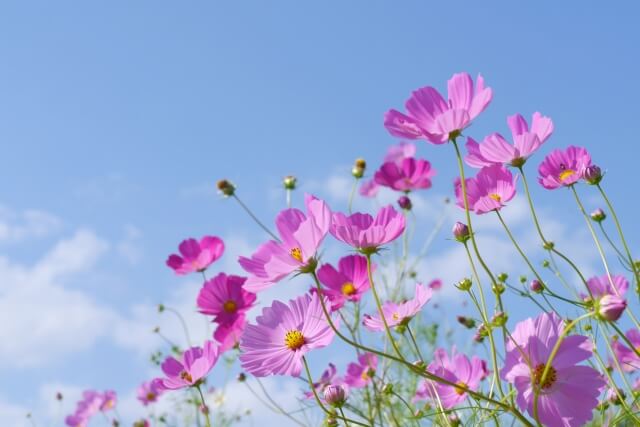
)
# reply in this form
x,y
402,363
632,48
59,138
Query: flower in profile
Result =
x,y
598,215
495,149
628,357
196,256
348,283
149,391
458,369
461,232
408,175
399,314
488,191
369,188
365,233
282,335
398,152
432,118
301,237
563,168
109,400
361,373
91,403
228,334
224,298
328,377
193,366
608,295
569,392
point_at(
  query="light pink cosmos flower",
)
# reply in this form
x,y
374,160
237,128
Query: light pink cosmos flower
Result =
x,y
627,357
432,118
282,335
109,400
562,168
228,334
496,150
408,175
192,367
398,152
196,255
301,237
365,233
399,314
361,373
488,191
457,369
609,296
569,393
149,391
369,188
92,402
328,377
224,298
348,283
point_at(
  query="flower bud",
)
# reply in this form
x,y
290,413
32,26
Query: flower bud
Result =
x,y
546,263
464,284
467,322
289,182
548,246
226,187
388,388
335,395
332,422
499,319
536,286
454,421
592,174
611,307
405,203
358,169
160,308
461,232
615,397
59,396
598,215
241,377
503,277
360,163
498,288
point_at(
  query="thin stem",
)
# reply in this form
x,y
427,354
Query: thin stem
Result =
x,y
205,408
275,404
613,245
517,246
185,329
346,423
255,218
415,343
352,194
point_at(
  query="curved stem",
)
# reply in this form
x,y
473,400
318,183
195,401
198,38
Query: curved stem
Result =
x,y
518,248
255,218
352,194
276,405
205,408
415,343
185,329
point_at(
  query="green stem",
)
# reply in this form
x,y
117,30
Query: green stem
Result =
x,y
415,343
517,246
352,194
255,218
205,408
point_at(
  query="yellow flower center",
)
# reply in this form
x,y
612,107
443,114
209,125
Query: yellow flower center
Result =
x,y
230,306
348,289
395,316
549,380
296,254
294,340
566,174
186,376
495,196
460,388
151,396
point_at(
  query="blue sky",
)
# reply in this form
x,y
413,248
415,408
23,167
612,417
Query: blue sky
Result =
x,y
117,118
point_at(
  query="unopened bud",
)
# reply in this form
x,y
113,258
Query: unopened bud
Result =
x,y
360,163
388,388
464,284
503,277
332,422
335,395
289,182
359,166
160,308
461,232
405,203
467,322
59,396
498,288
611,307
241,377
226,187
592,174
548,246
598,215
536,286
499,319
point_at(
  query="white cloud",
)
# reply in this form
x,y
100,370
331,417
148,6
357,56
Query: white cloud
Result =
x,y
31,223
129,246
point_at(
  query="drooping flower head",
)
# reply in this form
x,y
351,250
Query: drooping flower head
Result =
x,y
196,255
149,391
191,368
328,377
399,314
495,150
365,233
608,295
458,369
224,298
432,118
348,283
562,168
301,237
408,175
569,392
361,373
488,191
282,335
628,357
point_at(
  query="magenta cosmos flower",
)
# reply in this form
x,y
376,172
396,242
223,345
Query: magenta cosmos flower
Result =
x,y
628,358
496,150
149,391
399,314
365,233
609,295
301,236
432,118
407,175
457,369
196,255
228,334
361,373
348,283
192,367
224,298
282,335
569,393
328,377
488,191
562,168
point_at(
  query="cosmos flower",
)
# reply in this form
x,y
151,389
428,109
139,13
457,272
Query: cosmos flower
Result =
x,y
399,314
569,392
488,191
224,298
149,391
361,373
301,237
193,366
562,168
365,233
400,151
196,255
228,334
627,357
369,188
282,335
432,118
348,283
408,175
328,377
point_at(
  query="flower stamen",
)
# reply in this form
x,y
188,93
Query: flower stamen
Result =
x,y
296,254
348,289
294,340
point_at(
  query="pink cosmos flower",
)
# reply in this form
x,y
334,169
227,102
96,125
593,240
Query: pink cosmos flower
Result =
x,y
609,301
399,314
432,118
149,391
457,369
496,150
407,175
91,403
628,358
488,191
562,168
283,335
361,373
224,298
192,367
328,377
228,334
435,284
569,393
301,237
348,283
109,400
398,152
365,233
196,256
369,188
